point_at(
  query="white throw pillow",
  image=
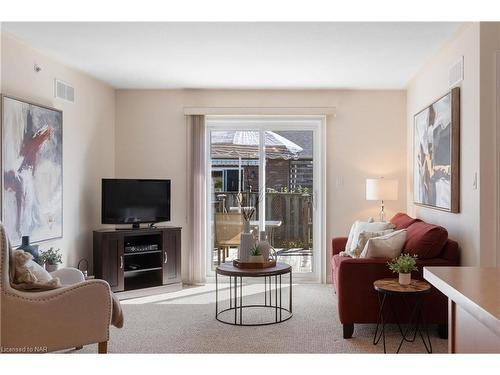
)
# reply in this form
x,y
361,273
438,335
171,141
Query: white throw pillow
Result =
x,y
351,232
387,246
363,239
366,227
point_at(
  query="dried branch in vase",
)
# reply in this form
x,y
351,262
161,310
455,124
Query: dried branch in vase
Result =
x,y
244,200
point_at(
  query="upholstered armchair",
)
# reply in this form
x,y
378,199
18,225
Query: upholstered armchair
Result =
x,y
77,314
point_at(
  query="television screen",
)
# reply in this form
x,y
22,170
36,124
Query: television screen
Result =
x,y
128,201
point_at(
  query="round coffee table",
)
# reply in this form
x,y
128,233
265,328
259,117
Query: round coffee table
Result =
x,y
281,314
388,288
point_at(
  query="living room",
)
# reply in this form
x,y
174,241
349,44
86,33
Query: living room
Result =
x,y
252,192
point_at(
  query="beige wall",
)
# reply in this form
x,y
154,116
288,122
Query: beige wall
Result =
x,y
367,138
474,226
489,190
429,84
88,143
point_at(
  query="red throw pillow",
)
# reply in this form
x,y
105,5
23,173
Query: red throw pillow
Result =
x,y
402,221
425,240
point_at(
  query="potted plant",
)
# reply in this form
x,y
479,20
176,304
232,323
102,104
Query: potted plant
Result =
x,y
51,258
404,265
256,255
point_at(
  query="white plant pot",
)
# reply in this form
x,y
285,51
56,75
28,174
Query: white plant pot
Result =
x,y
256,259
404,278
51,267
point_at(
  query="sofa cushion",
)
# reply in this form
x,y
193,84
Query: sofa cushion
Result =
x,y
402,220
351,233
361,226
363,238
425,240
386,246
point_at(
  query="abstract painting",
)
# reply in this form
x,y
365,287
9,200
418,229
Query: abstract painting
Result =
x,y
436,146
32,178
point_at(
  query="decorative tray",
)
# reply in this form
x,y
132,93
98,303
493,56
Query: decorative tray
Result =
x,y
240,264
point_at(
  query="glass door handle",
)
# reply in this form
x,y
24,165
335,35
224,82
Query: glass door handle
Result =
x,y
166,257
121,261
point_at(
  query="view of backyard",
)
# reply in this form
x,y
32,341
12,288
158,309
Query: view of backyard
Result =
x,y
288,193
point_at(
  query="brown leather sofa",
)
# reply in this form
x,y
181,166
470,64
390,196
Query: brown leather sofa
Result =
x,y
353,277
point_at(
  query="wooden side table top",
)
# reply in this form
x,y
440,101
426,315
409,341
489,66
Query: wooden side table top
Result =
x,y
393,286
227,269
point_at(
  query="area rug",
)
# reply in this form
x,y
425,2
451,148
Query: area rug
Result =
x,y
184,322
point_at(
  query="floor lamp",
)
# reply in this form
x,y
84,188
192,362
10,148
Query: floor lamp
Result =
x,y
381,189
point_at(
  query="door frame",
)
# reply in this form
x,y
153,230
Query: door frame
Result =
x,y
314,123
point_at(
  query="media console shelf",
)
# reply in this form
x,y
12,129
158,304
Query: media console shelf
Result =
x,y
138,258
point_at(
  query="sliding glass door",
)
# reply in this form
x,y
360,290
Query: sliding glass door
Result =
x,y
289,198
275,164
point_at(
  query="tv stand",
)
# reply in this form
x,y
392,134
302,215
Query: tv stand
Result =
x,y
137,258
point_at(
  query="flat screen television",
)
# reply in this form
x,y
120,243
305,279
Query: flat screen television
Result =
x,y
133,201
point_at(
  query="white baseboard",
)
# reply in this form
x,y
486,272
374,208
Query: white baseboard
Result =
x,y
137,293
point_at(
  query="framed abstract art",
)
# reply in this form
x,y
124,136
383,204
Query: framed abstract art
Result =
x,y
436,154
32,171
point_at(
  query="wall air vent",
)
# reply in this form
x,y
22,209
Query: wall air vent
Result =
x,y
456,73
64,91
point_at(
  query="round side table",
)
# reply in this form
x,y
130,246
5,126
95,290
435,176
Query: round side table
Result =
x,y
236,275
386,290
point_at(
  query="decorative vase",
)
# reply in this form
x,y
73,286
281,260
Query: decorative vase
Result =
x,y
246,226
256,259
246,243
51,267
264,246
404,278
25,245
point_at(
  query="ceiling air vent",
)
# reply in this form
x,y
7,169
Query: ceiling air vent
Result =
x,y
64,91
456,73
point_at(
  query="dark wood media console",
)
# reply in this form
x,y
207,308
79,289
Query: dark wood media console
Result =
x,y
138,258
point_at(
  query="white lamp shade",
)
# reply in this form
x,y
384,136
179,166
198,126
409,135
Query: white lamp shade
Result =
x,y
381,189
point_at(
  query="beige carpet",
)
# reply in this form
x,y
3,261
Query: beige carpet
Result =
x,y
184,322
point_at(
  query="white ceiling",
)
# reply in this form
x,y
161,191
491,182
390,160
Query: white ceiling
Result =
x,y
241,55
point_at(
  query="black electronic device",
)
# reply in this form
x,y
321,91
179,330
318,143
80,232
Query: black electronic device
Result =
x,y
135,201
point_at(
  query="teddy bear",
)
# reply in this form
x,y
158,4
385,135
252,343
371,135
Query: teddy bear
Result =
x,y
30,275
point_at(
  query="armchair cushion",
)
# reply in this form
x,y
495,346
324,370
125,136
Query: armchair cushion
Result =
x,y
69,275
